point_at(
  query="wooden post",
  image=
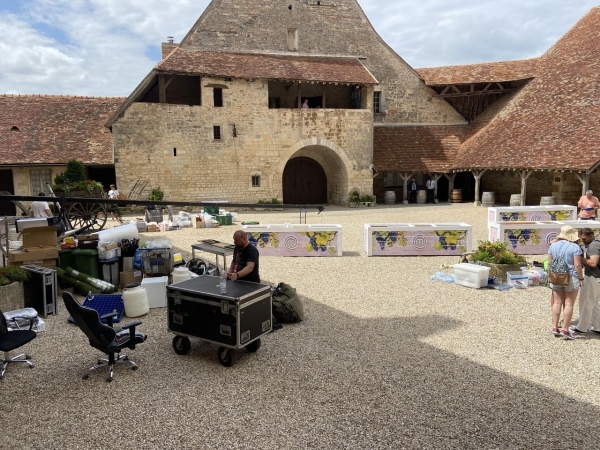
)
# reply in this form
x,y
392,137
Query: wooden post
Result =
x,y
477,174
436,178
299,95
524,175
585,182
324,95
405,177
451,177
162,97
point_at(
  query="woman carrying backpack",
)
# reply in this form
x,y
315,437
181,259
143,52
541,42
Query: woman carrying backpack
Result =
x,y
565,274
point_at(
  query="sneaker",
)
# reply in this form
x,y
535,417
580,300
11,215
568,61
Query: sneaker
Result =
x,y
555,331
567,334
576,331
595,331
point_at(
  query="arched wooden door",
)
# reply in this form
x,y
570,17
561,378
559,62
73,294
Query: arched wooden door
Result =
x,y
304,182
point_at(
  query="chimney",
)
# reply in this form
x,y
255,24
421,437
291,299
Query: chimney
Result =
x,y
168,47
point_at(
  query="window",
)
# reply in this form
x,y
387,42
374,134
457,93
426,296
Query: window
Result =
x,y
292,39
376,102
174,152
255,180
218,97
38,179
216,132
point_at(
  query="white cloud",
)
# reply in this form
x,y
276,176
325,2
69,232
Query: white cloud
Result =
x,y
103,46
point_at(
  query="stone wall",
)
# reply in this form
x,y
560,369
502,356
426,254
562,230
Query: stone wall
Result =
x,y
173,146
337,28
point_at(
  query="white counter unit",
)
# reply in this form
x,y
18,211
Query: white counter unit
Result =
x,y
296,240
533,238
540,213
410,239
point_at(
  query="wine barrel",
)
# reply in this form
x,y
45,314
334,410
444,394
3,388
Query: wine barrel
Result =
x,y
548,201
389,198
515,200
422,196
488,199
456,196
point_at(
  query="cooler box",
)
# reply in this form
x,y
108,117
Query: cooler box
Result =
x,y
156,289
196,308
471,275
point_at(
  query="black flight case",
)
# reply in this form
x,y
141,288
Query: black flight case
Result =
x,y
235,319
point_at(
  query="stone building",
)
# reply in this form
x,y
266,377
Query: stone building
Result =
x,y
220,116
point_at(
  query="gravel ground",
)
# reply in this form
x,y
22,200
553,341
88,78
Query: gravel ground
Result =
x,y
386,358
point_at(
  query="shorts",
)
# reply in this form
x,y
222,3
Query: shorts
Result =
x,y
573,285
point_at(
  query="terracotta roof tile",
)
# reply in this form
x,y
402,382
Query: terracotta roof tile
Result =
x,y
261,66
416,148
554,121
480,73
53,129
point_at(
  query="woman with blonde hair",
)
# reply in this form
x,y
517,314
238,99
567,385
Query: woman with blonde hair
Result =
x,y
565,248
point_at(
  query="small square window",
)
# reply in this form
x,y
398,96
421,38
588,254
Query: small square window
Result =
x,y
376,102
216,132
255,180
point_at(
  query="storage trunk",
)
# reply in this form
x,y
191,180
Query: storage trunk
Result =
x,y
233,320
40,290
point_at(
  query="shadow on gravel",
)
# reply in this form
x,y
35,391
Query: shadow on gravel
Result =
x,y
334,381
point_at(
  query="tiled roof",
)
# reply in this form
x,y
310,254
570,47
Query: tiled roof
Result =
x,y
554,121
51,129
428,148
261,66
480,73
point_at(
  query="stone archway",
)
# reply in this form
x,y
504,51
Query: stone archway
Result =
x,y
330,157
304,182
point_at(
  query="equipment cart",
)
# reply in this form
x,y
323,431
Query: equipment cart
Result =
x,y
233,320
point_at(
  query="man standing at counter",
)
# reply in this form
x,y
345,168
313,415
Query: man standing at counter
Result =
x,y
245,259
589,205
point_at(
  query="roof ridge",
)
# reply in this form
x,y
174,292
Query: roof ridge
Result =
x,y
60,96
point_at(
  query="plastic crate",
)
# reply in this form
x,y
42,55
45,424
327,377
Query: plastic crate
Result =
x,y
157,261
224,219
517,277
105,304
471,275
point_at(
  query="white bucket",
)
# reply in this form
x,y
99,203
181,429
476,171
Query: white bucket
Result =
x,y
135,300
180,274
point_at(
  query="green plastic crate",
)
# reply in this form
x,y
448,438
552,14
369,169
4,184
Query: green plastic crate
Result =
x,y
213,210
224,219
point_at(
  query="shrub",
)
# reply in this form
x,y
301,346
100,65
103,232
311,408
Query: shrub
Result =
x,y
495,253
354,197
156,195
74,173
367,198
11,274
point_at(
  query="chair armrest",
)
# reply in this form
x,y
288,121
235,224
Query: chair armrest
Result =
x,y
131,326
31,320
109,318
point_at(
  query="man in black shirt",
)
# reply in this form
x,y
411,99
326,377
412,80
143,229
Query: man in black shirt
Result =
x,y
245,259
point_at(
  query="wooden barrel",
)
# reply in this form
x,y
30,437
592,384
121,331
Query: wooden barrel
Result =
x,y
421,196
548,201
488,199
456,196
515,200
389,198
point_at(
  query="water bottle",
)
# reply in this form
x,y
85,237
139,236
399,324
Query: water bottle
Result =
x,y
223,284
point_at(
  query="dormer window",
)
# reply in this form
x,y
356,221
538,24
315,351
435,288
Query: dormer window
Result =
x,y
15,128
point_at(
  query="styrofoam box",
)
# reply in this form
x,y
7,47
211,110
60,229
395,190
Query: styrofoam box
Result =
x,y
522,278
471,275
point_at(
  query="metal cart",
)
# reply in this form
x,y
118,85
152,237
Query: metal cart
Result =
x,y
233,320
216,248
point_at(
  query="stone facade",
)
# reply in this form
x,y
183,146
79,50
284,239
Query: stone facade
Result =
x,y
177,145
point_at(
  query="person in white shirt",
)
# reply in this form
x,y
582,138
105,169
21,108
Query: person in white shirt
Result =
x,y
430,185
113,193
40,209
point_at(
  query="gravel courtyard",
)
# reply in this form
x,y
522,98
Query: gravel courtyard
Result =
x,y
386,359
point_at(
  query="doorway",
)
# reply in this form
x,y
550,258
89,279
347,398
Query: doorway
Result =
x,y
304,182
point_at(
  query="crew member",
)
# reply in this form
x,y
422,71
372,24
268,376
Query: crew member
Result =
x,y
39,208
245,259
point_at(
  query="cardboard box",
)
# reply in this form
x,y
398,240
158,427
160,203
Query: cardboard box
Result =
x,y
197,222
39,243
152,228
130,276
48,263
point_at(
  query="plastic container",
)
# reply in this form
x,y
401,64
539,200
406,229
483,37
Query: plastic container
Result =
x,y
156,289
157,261
86,261
135,299
110,270
514,278
224,219
142,226
213,210
181,274
471,275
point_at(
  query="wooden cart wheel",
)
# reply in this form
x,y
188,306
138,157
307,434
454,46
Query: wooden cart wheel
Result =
x,y
253,346
225,356
87,214
181,345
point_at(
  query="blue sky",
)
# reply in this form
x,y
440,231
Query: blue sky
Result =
x,y
106,47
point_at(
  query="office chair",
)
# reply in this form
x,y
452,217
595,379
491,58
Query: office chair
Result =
x,y
10,340
104,337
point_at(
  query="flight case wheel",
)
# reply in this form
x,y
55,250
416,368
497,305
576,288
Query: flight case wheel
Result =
x,y
253,346
225,356
181,345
